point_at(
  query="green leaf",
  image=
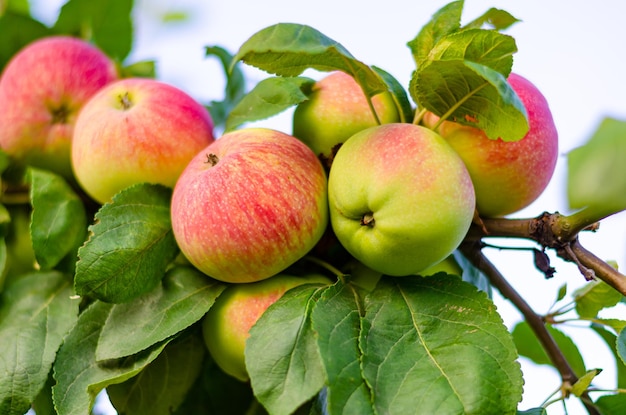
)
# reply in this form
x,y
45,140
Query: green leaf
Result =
x,y
437,345
400,97
129,246
612,404
108,23
495,18
611,341
184,296
471,94
79,377
269,97
235,86
614,323
484,47
528,346
161,387
18,30
288,49
58,218
336,319
596,176
141,69
445,21
621,345
286,370
533,411
595,296
561,293
36,312
584,382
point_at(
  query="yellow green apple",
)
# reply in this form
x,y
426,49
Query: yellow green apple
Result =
x,y
401,199
249,205
507,176
227,324
137,130
42,89
336,109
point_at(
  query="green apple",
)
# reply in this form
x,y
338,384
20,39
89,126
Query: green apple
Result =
x,y
137,130
401,199
250,205
227,324
42,89
507,176
336,109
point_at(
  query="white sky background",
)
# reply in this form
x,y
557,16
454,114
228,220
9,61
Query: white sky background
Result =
x,y
572,50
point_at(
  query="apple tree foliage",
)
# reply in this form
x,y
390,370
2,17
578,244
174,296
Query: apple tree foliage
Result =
x,y
96,298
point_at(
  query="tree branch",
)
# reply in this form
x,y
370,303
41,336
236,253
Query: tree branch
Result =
x,y
473,252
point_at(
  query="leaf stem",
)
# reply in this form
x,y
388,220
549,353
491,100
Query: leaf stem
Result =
x,y
335,271
473,252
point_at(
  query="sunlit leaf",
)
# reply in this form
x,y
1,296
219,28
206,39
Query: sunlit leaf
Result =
x,y
595,296
269,97
596,176
497,19
583,383
129,246
183,297
36,312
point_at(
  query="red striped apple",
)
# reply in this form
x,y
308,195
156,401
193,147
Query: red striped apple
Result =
x,y
507,176
42,89
250,205
226,326
336,109
401,199
137,130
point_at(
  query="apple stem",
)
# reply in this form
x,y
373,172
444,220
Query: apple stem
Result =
x,y
125,101
212,159
368,219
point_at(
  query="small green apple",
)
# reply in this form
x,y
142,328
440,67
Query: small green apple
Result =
x,y
507,176
401,199
336,109
250,205
227,324
42,90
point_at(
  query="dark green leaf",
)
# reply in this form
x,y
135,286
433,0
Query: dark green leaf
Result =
x,y
445,21
595,296
129,246
528,346
439,335
235,86
269,97
288,49
36,312
108,23
561,293
400,97
161,387
612,404
597,170
286,370
184,296
79,377
336,318
495,18
485,47
18,30
621,345
471,94
58,218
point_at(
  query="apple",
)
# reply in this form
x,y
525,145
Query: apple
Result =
x,y
507,176
137,130
336,109
249,205
42,89
227,324
401,199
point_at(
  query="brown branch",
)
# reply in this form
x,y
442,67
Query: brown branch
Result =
x,y
472,251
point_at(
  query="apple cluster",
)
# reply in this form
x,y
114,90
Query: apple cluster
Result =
x,y
398,197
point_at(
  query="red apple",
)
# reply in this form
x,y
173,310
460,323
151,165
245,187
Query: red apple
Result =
x,y
250,205
507,176
42,89
227,324
336,109
401,199
137,130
